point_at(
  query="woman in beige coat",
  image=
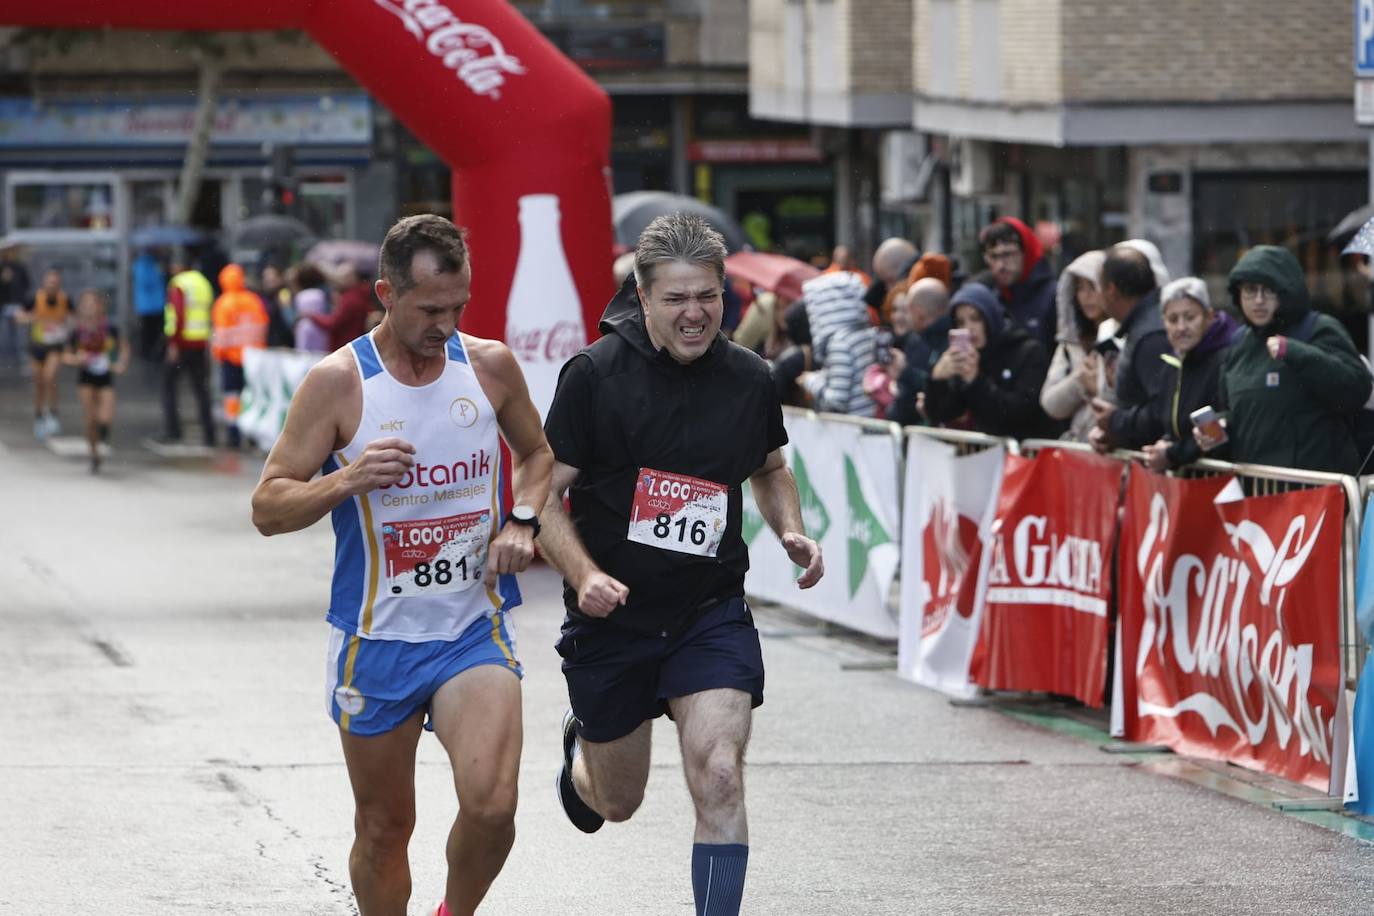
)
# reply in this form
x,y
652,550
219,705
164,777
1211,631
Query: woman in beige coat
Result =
x,y
1077,374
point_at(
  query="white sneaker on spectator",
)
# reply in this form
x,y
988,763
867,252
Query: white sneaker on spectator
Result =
x,y
54,425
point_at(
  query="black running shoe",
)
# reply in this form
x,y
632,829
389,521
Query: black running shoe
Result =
x,y
581,815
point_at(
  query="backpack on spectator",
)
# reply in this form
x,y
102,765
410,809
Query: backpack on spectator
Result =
x,y
1363,419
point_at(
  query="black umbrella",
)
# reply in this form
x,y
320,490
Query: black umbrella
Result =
x,y
1350,225
631,213
269,230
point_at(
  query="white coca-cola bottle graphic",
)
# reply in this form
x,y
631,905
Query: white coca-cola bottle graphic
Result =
x,y
544,326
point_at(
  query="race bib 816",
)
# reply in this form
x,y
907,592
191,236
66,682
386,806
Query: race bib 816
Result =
x,y
679,513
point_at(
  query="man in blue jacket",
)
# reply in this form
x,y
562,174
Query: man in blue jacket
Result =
x,y
150,297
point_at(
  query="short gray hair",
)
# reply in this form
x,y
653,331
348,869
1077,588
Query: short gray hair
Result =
x,y
1186,287
678,237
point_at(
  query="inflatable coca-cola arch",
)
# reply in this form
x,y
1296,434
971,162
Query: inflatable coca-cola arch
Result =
x,y
520,125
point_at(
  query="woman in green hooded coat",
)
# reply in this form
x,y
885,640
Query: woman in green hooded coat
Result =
x,y
1292,381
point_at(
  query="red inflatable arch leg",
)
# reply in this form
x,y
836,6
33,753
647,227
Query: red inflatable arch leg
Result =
x,y
526,133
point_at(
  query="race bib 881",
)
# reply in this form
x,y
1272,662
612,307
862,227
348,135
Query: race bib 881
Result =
x,y
679,513
435,555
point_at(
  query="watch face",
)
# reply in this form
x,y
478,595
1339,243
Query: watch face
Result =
x,y
523,513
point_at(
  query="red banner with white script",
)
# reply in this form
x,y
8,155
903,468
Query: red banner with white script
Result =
x,y
1230,623
1049,588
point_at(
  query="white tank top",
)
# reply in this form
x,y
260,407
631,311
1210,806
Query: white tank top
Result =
x,y
409,558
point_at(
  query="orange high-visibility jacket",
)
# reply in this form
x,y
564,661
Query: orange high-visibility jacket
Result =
x,y
239,317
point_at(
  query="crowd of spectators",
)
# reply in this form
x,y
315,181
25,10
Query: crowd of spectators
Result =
x,y
1111,351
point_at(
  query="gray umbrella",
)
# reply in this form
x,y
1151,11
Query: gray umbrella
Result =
x,y
631,213
1351,224
269,230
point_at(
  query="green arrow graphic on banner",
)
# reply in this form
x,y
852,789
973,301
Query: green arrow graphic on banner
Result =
x,y
865,531
751,520
814,516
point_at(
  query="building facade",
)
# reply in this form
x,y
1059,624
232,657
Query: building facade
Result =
x,y
1206,128
95,125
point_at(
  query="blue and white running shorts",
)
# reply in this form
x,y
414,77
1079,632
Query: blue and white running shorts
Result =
x,y
376,684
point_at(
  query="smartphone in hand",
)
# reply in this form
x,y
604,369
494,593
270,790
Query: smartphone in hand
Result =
x,y
1208,421
882,347
959,339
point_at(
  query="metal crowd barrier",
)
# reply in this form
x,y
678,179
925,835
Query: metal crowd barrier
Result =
x,y
873,427
964,441
1257,480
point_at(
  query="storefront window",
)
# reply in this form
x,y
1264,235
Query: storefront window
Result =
x,y
148,200
323,206
84,265
424,180
63,205
1234,212
799,222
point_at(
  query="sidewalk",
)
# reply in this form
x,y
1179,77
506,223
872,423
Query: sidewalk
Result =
x,y
138,416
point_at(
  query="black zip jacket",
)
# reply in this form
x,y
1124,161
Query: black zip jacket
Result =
x,y
1004,397
1189,383
1139,375
623,405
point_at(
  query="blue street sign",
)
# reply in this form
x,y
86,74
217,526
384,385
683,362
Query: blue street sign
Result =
x,y
1364,37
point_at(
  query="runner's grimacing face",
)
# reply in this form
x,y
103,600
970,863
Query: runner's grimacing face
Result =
x,y
425,316
682,309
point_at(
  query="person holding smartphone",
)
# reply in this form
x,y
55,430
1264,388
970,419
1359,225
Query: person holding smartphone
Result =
x,y
990,376
1198,336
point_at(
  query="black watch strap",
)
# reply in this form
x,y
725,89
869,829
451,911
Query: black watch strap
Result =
x,y
527,522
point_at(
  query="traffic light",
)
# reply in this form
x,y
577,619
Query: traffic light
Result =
x,y
279,191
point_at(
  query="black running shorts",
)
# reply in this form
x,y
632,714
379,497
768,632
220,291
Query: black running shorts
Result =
x,y
94,379
617,679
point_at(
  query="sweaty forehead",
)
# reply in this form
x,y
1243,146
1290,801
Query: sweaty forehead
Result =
x,y
682,279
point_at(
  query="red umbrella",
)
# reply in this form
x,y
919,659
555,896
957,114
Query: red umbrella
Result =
x,y
776,273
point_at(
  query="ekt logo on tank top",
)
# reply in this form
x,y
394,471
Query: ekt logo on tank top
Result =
x,y
477,465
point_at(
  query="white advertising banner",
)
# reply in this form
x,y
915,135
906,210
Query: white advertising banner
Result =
x,y
950,502
847,481
270,380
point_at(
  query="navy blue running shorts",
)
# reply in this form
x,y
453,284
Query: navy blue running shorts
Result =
x,y
617,679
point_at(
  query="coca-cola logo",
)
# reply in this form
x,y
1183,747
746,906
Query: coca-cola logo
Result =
x,y
1200,620
556,344
949,548
470,51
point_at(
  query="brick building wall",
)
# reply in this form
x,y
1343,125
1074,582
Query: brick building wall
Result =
x,y
766,28
879,45
1030,39
1219,51
830,49
83,61
1103,51
1016,65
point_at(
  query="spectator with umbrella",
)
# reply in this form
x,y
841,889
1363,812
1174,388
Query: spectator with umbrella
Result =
x,y
353,304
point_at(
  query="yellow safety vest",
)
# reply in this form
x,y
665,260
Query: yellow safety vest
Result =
x,y
199,296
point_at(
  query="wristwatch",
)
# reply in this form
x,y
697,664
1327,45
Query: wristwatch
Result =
x,y
524,515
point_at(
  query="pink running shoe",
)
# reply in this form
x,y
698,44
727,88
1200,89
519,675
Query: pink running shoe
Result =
x,y
441,909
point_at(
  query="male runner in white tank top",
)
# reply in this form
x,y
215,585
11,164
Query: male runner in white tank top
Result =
x,y
404,424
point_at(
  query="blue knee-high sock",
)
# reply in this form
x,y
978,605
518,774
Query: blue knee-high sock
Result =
x,y
718,877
